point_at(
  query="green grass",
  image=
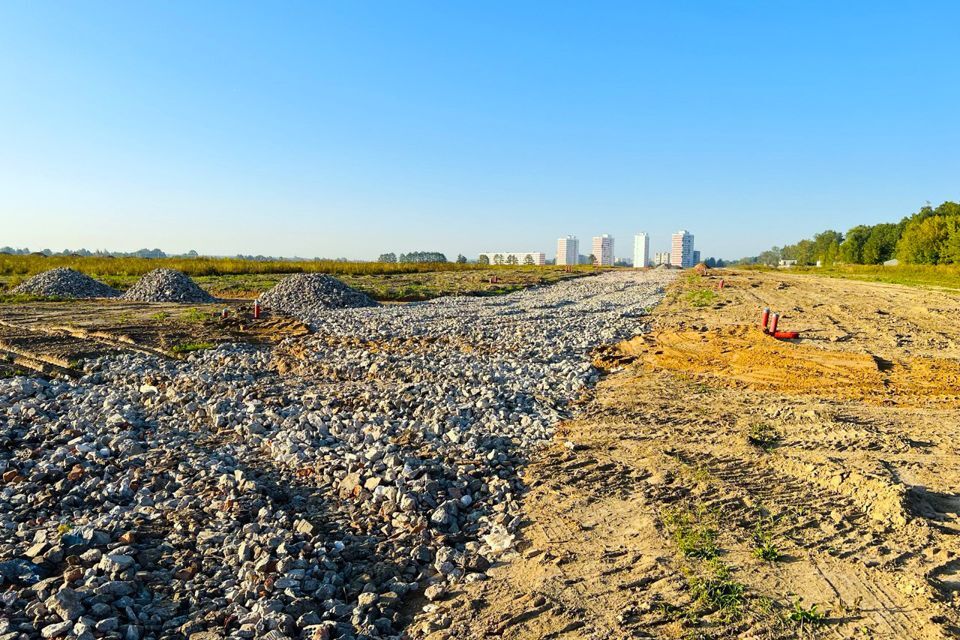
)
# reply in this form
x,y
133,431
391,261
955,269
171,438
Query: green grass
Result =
x,y
915,275
804,616
189,347
718,591
194,315
763,545
160,316
694,532
763,436
25,265
701,297
233,278
698,292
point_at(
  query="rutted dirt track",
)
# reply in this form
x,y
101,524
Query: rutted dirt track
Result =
x,y
834,457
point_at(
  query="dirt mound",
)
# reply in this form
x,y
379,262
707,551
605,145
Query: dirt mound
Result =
x,y
167,285
306,294
65,283
742,356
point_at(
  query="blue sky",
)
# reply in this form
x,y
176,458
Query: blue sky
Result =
x,y
352,128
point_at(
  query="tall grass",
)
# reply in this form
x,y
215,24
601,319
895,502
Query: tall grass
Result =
x,y
27,265
918,275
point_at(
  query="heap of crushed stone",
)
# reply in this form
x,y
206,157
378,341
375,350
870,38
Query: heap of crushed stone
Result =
x,y
63,282
167,285
304,294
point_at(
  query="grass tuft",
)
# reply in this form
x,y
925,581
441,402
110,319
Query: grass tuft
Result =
x,y
763,436
189,347
719,591
804,616
764,547
700,297
693,533
194,315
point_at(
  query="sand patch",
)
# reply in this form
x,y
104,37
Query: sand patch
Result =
x,y
742,356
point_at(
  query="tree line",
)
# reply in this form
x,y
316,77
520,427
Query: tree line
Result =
x,y
929,236
418,256
499,259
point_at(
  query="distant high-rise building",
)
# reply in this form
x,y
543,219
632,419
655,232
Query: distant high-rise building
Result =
x,y
641,250
696,257
681,249
603,250
567,250
661,257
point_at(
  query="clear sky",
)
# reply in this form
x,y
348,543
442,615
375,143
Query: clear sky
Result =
x,y
353,128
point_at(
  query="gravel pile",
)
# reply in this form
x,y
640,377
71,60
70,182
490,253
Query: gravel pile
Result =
x,y
166,285
219,497
307,294
65,283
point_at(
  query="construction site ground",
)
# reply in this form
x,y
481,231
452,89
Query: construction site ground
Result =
x,y
723,484
55,338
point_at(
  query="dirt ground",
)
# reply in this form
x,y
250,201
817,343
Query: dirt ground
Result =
x,y
54,338
723,484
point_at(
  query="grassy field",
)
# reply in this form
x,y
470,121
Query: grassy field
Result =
x,y
28,265
917,275
234,278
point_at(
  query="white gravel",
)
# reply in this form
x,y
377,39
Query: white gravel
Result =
x,y
166,285
160,499
310,293
62,282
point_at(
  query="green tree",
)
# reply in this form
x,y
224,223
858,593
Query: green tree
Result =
x,y
802,252
528,260
826,246
483,259
881,243
511,259
461,259
498,259
851,249
770,257
951,248
387,257
924,242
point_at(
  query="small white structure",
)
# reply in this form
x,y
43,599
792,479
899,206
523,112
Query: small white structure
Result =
x,y
786,264
529,258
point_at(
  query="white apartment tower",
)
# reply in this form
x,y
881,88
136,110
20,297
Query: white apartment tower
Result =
x,y
603,250
641,250
568,250
681,249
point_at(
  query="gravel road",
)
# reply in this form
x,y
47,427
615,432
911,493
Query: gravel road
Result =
x,y
322,488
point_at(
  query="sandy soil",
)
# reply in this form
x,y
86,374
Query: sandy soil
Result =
x,y
722,484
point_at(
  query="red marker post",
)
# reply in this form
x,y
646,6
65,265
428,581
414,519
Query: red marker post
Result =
x,y
256,309
774,319
764,319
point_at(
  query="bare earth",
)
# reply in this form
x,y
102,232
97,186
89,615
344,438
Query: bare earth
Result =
x,y
53,338
645,517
